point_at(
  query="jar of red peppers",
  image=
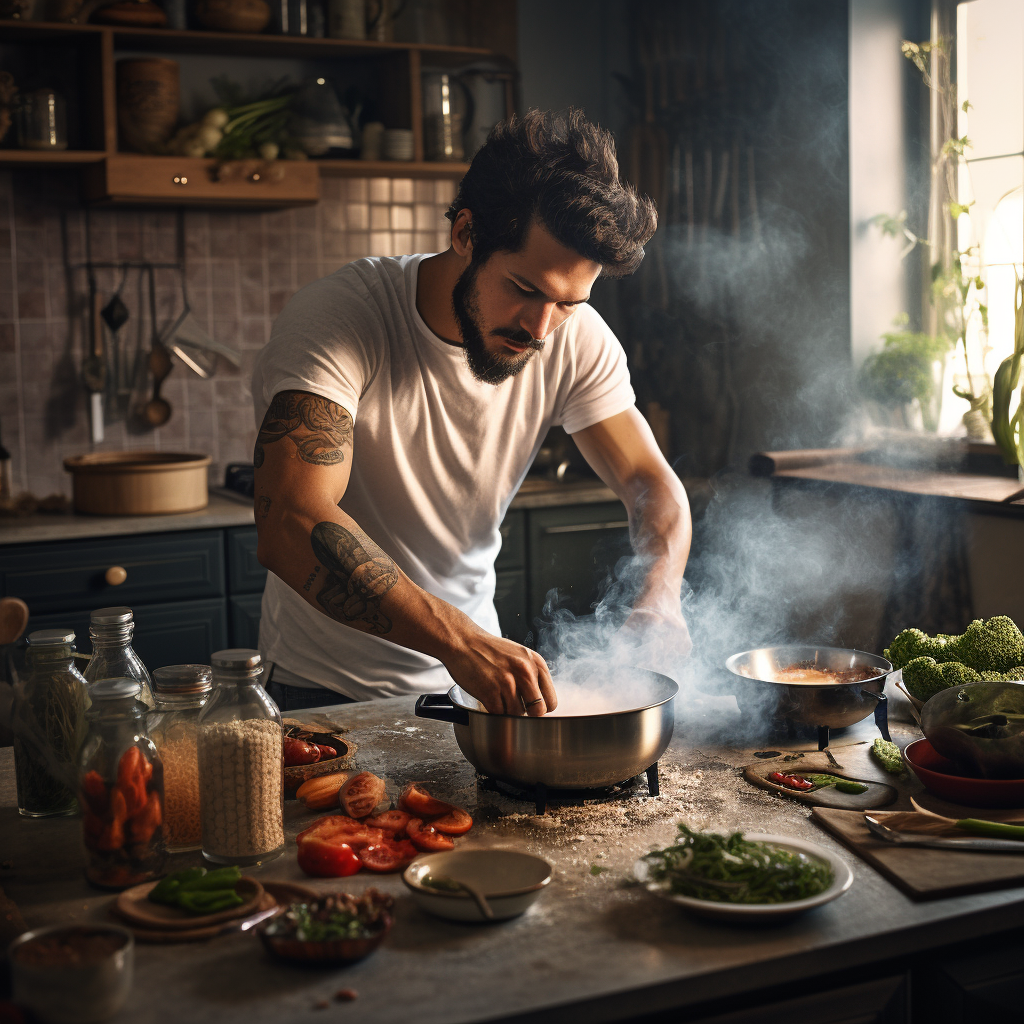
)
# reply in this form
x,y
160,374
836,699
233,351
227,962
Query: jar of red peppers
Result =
x,y
121,789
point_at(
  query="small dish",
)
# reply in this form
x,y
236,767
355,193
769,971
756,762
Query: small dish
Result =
x,y
842,879
134,906
72,974
328,952
509,879
940,776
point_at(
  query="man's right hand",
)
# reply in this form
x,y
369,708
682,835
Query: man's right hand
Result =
x,y
507,678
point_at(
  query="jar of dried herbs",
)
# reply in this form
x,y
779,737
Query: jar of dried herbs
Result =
x,y
121,789
50,700
180,691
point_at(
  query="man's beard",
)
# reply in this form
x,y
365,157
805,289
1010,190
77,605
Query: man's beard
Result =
x,y
489,367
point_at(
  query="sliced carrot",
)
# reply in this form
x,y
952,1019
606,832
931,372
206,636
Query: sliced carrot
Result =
x,y
322,787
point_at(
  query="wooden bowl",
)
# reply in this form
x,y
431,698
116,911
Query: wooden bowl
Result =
x,y
233,15
296,775
323,954
142,483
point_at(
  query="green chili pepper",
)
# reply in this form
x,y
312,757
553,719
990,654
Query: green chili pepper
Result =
x,y
842,785
167,890
222,878
208,902
996,829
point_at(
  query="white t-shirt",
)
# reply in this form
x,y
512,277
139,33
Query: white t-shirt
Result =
x,y
437,455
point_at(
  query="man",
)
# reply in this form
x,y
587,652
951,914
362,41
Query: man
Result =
x,y
402,401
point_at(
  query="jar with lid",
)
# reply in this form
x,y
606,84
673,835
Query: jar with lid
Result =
x,y
241,764
50,699
121,789
110,630
180,692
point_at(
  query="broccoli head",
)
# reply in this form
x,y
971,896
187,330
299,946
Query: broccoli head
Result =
x,y
925,677
993,646
913,643
1014,675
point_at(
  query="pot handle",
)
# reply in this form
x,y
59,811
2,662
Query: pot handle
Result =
x,y
439,707
881,713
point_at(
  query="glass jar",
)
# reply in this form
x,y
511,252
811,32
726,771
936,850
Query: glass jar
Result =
x,y
241,764
180,692
50,699
121,788
110,630
42,120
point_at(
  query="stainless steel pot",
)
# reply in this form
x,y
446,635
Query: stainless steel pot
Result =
x,y
821,705
578,752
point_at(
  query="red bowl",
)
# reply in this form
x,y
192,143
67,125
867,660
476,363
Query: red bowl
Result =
x,y
941,776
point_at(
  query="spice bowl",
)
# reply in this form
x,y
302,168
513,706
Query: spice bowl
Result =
x,y
510,881
79,974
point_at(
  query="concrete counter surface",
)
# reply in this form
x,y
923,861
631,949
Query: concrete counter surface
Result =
x,y
593,948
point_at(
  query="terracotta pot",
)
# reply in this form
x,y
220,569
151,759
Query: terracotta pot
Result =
x,y
148,95
233,15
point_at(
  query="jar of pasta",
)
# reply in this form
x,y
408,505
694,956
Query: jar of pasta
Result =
x,y
241,764
180,693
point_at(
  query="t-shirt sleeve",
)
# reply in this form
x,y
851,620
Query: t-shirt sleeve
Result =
x,y
600,384
323,342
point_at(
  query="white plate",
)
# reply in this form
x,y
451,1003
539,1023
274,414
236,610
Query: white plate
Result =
x,y
842,879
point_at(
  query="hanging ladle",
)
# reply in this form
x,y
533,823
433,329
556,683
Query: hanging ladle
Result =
x,y
157,411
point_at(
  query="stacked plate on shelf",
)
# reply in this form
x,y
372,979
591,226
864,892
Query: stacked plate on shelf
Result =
x,y
397,144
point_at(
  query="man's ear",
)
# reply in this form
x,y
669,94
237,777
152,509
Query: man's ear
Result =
x,y
462,233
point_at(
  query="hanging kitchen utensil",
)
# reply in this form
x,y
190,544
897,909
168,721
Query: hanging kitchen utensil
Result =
x,y
94,369
192,345
115,315
157,411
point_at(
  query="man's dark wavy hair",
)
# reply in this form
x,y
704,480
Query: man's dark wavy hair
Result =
x,y
563,171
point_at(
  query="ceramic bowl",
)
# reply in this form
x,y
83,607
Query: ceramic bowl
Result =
x,y
940,776
842,879
329,953
83,989
510,881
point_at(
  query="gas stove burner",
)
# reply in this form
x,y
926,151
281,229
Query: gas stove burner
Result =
x,y
542,795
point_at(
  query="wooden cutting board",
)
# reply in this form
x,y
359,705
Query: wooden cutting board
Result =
x,y
878,794
920,872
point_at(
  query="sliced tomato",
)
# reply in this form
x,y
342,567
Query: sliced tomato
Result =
x,y
338,828
390,821
323,858
455,823
361,794
426,837
419,802
388,856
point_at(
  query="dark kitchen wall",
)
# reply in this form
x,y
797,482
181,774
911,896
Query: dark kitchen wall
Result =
x,y
738,323
242,268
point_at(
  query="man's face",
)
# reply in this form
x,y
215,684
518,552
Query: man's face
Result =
x,y
507,306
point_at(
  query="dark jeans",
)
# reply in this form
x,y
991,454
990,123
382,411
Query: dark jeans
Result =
x,y
301,698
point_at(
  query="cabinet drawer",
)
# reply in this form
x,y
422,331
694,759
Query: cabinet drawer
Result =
x,y
128,178
513,542
244,619
245,574
160,567
177,633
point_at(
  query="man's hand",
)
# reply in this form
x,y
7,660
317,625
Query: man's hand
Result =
x,y
507,678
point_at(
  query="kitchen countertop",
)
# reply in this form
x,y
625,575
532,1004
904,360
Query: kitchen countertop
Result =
x,y
592,949
223,511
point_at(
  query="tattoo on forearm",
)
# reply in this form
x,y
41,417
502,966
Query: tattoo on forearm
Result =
x,y
319,428
263,506
312,576
359,574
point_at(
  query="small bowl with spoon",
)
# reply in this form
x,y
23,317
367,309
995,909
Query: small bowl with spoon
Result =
x,y
477,885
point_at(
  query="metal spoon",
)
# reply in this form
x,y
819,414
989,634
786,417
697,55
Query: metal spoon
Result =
x,y
979,845
444,883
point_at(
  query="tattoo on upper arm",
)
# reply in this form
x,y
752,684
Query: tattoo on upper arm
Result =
x,y
319,428
359,574
311,577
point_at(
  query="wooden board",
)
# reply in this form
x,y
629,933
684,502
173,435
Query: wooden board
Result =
x,y
878,794
133,905
922,873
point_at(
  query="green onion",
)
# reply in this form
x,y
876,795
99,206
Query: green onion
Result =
x,y
995,829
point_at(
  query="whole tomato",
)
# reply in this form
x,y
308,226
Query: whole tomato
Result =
x,y
300,752
322,858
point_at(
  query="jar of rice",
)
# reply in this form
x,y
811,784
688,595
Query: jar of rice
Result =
x,y
241,764
180,693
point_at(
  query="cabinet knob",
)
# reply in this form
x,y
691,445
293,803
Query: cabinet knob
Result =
x,y
115,575
179,179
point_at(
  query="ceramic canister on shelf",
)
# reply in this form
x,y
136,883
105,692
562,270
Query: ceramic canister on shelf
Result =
x,y
148,98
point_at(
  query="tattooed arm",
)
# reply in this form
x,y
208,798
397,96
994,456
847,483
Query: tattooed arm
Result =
x,y
303,459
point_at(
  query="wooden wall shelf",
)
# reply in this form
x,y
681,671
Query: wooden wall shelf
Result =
x,y
111,176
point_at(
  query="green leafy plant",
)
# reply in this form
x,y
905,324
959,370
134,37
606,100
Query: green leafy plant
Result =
x,y
903,371
1007,427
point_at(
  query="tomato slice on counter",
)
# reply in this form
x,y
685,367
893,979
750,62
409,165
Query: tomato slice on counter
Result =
x,y
324,858
341,829
426,837
388,856
390,821
419,802
361,794
456,822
